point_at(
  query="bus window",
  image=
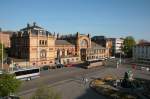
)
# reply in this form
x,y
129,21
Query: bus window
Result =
x,y
27,73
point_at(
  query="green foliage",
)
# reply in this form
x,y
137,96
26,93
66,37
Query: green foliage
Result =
x,y
128,43
45,93
8,84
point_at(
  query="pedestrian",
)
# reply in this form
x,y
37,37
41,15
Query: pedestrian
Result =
x,y
147,69
85,80
117,64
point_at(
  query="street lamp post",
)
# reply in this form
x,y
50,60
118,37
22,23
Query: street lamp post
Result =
x,y
117,64
120,58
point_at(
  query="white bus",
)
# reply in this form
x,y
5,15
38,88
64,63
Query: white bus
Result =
x,y
27,74
93,63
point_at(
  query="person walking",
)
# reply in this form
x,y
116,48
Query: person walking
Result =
x,y
85,81
117,64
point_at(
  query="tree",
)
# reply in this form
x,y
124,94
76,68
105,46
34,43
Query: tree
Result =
x,y
8,84
45,93
128,44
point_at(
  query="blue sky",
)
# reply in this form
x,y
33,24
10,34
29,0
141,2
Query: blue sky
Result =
x,y
112,18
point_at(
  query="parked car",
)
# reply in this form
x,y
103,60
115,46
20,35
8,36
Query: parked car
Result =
x,y
113,57
46,67
69,65
105,58
60,65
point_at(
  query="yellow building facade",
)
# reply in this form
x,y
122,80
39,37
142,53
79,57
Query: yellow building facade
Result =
x,y
35,45
38,47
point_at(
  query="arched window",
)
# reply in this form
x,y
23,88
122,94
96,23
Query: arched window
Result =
x,y
43,53
68,52
84,43
58,53
63,52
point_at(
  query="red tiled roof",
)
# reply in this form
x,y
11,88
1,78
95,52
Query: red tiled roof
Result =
x,y
144,44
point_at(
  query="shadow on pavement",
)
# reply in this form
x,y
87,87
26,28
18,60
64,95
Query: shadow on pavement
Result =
x,y
80,65
91,94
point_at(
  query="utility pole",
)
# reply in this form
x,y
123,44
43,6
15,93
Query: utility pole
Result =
x,y
2,51
37,49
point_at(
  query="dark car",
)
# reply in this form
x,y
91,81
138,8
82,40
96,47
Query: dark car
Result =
x,y
60,65
46,67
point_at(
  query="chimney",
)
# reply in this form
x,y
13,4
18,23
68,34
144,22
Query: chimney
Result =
x,y
78,34
28,25
57,35
89,35
34,23
54,34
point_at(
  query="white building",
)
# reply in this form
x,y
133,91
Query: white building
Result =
x,y
141,53
117,44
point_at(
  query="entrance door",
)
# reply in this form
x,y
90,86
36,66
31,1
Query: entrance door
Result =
x,y
83,54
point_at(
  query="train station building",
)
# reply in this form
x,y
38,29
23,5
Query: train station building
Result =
x,y
39,47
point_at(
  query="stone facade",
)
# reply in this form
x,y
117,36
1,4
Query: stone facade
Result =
x,y
96,52
5,38
35,45
65,52
141,53
109,46
39,47
104,42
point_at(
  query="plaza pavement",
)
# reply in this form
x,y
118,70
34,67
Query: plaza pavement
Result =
x,y
74,88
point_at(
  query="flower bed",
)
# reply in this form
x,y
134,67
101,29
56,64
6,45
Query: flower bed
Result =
x,y
101,86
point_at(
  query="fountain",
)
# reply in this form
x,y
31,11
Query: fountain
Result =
x,y
117,88
128,82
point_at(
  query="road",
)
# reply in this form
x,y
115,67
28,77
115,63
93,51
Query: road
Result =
x,y
53,76
68,81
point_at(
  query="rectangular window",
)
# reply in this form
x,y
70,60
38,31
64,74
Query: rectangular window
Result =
x,y
40,42
45,42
